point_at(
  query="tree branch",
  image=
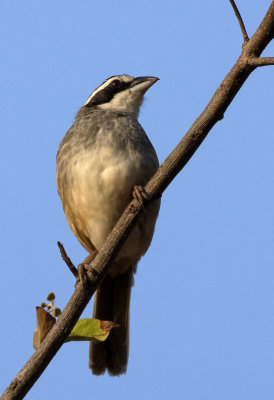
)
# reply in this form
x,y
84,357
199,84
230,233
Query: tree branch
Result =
x,y
157,184
261,61
241,22
67,260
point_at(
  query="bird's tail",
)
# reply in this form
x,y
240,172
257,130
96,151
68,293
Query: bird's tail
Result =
x,y
112,302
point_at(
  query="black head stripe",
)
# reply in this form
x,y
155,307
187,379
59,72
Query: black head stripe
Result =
x,y
101,97
106,94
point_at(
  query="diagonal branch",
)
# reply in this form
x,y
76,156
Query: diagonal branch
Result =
x,y
240,20
157,184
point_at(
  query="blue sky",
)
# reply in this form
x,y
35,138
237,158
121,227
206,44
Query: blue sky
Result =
x,y
202,322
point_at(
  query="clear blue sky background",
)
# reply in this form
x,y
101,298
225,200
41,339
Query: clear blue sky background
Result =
x,y
202,319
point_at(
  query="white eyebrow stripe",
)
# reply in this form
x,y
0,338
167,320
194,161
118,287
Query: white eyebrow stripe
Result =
x,y
125,78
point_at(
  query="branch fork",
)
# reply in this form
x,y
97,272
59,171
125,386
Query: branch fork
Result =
x,y
252,60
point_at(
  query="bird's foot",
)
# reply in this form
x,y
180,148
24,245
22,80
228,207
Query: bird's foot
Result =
x,y
85,272
140,194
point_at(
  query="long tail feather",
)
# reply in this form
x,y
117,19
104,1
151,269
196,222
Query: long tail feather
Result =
x,y
112,303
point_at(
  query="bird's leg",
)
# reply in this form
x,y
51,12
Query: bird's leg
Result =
x,y
140,194
85,271
90,257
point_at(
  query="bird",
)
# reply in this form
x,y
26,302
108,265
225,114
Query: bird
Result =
x,y
102,160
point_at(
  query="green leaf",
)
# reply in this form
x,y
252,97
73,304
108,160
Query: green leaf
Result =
x,y
91,329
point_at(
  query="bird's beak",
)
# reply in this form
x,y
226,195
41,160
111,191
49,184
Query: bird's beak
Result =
x,y
143,83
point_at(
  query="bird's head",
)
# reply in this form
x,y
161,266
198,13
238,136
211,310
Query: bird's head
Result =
x,y
121,93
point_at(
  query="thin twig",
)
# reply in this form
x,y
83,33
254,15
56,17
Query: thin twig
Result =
x,y
241,22
261,61
67,260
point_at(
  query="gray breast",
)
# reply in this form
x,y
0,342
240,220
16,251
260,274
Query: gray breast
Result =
x,y
101,158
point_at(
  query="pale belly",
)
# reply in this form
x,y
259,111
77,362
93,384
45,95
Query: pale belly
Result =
x,y
98,190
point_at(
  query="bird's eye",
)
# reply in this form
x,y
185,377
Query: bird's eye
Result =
x,y
116,83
